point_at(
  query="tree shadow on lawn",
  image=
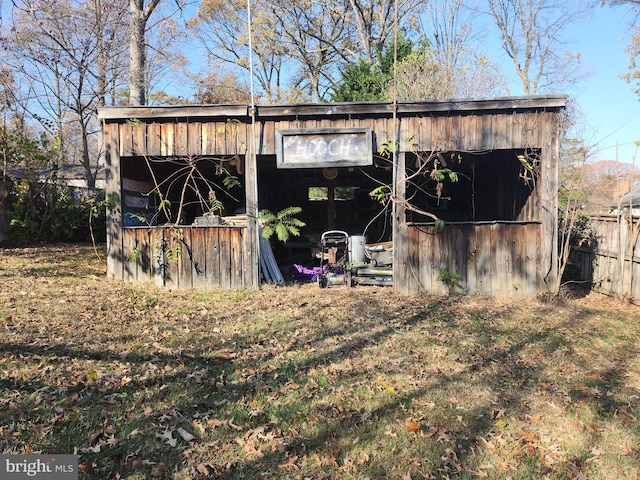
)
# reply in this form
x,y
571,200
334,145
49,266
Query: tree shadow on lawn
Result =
x,y
299,406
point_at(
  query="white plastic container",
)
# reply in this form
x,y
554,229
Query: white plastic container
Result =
x,y
356,248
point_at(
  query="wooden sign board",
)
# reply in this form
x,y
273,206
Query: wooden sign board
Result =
x,y
324,147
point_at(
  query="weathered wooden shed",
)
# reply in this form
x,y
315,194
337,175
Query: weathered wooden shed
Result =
x,y
500,215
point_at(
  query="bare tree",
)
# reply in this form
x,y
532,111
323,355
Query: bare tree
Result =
x,y
317,37
65,56
142,23
532,33
221,28
310,38
449,63
374,21
139,14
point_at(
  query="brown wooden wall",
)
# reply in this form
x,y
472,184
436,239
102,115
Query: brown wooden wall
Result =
x,y
182,138
493,258
185,257
467,132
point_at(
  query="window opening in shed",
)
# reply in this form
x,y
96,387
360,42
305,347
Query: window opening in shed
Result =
x,y
180,190
498,185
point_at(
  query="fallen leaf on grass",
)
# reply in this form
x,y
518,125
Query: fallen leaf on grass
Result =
x,y
412,425
451,458
167,435
186,436
290,463
479,473
386,386
158,469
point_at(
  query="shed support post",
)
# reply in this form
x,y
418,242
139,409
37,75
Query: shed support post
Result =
x,y
115,262
252,277
549,200
399,219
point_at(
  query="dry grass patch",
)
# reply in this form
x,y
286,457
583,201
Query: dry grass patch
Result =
x,y
299,382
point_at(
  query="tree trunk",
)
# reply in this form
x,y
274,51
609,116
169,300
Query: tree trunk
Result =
x,y
137,53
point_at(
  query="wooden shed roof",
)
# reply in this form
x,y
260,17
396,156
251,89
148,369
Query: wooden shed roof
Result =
x,y
382,109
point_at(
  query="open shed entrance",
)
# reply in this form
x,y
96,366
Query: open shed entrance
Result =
x,y
498,185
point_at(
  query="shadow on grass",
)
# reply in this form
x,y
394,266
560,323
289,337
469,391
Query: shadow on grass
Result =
x,y
291,395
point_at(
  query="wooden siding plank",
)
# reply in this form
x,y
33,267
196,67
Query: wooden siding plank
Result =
x,y
381,128
461,265
484,253
468,133
167,140
487,132
209,138
126,140
185,261
214,257
456,133
519,244
197,254
503,271
426,254
156,236
154,140
498,129
138,139
423,135
194,134
225,257
221,138
145,255
243,138
268,140
236,246
412,264
405,133
508,130
440,134
516,130
128,258
472,259
232,131
172,256
425,246
181,146
448,133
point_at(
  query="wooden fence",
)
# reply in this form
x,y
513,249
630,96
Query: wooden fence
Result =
x,y
184,257
615,257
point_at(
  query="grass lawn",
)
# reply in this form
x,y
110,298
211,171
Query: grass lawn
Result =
x,y
301,382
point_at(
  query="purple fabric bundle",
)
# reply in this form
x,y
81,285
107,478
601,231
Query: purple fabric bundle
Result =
x,y
301,273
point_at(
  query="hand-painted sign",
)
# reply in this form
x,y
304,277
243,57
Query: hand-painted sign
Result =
x,y
324,147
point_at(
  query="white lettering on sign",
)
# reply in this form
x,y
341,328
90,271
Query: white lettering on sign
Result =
x,y
321,147
324,147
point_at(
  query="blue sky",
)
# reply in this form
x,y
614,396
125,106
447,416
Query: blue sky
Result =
x,y
610,106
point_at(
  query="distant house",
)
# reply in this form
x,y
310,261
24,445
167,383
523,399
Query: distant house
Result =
x,y
630,201
74,176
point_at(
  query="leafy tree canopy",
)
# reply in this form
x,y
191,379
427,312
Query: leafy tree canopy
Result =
x,y
364,81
